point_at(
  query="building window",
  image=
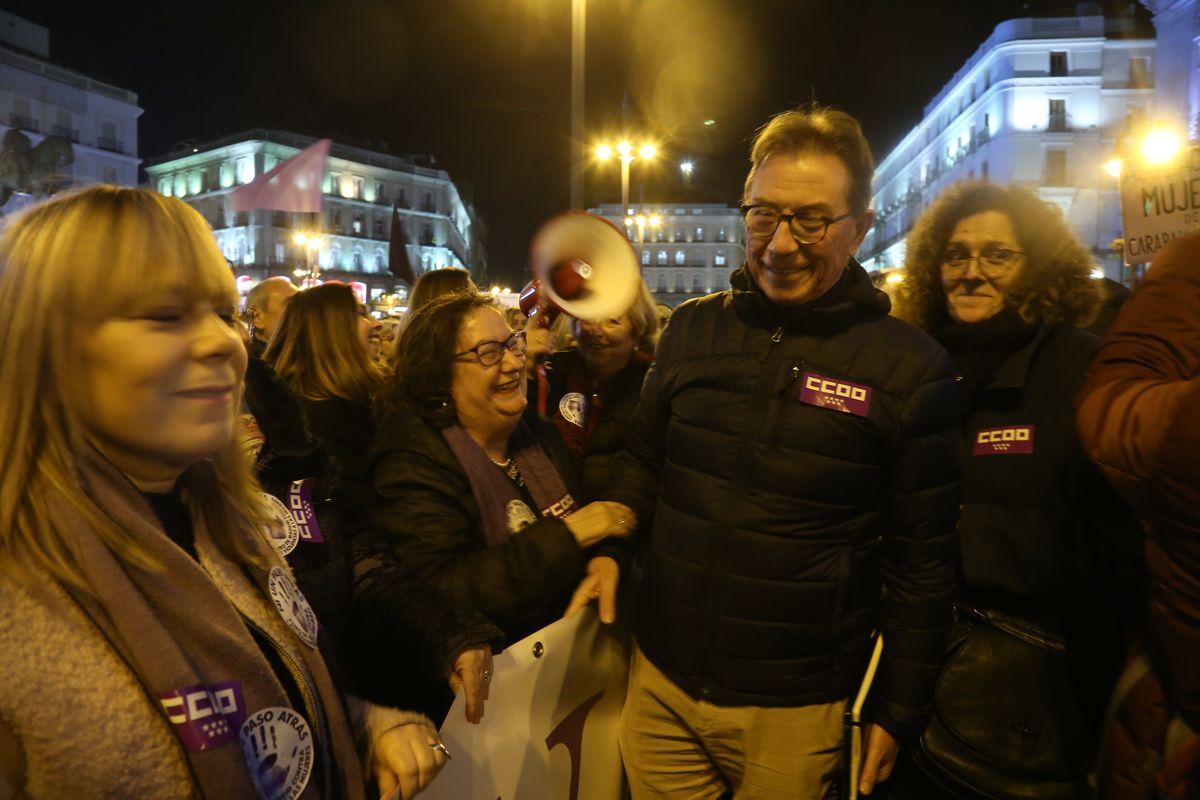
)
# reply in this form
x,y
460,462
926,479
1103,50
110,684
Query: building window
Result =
x,y
358,188
245,170
1058,116
662,256
660,235
1058,63
721,234
402,198
357,259
697,283
680,258
280,255
426,234
1139,73
378,226
662,281
699,237
380,261
427,203
678,235
164,186
645,257
357,225
984,171
1056,168
719,259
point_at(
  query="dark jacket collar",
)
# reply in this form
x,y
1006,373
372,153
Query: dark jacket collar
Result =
x,y
852,299
1013,373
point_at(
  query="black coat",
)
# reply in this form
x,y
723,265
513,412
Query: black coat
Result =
x,y
1043,535
784,532
385,610
605,444
425,513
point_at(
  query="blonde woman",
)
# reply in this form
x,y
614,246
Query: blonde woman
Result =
x,y
151,641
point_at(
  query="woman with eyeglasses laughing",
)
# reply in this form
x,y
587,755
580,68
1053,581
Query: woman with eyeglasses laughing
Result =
x,y
473,499
1048,552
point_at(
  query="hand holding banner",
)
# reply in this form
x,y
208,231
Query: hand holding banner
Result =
x,y
551,725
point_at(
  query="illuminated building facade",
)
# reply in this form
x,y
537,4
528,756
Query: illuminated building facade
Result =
x,y
684,250
360,188
1040,104
1177,74
42,99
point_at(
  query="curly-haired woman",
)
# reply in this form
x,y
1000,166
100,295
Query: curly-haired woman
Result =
x,y
995,274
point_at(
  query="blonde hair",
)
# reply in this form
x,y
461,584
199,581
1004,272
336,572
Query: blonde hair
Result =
x,y
316,349
66,265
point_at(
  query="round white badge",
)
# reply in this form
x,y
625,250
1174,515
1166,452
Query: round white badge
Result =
x,y
573,407
293,606
278,746
284,531
520,516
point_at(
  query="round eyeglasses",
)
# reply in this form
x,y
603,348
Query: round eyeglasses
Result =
x,y
489,354
807,228
994,262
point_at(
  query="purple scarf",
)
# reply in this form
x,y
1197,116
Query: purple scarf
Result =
x,y
494,491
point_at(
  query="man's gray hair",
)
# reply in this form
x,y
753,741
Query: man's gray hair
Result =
x,y
257,298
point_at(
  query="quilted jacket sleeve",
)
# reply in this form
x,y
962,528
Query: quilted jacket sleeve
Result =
x,y
635,478
920,551
421,512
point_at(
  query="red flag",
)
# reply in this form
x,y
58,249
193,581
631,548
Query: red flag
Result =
x,y
398,263
294,185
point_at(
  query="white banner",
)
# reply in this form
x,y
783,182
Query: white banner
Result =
x,y
549,730
1159,203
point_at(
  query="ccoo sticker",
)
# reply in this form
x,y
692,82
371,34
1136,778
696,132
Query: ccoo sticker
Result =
x,y
278,746
284,532
292,605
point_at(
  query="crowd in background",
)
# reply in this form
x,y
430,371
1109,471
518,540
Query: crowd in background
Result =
x,y
223,528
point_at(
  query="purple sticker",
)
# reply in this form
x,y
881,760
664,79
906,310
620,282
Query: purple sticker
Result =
x,y
1013,440
205,716
300,503
849,398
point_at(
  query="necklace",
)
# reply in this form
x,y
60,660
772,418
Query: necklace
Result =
x,y
509,467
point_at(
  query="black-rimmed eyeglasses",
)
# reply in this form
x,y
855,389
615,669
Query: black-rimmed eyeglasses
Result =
x,y
994,262
490,353
807,228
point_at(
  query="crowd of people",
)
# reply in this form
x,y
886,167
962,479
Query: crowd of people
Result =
x,y
257,552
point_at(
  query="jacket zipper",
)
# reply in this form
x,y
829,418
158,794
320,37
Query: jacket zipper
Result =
x,y
306,690
745,456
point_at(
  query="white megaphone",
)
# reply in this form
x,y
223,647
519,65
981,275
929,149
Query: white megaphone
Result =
x,y
582,265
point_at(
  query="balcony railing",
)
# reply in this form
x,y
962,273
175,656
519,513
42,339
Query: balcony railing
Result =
x,y
111,145
1058,123
68,133
429,208
24,123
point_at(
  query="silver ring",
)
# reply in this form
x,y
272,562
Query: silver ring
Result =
x,y
487,674
442,747
621,522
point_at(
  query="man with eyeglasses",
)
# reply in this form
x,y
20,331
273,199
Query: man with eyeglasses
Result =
x,y
794,452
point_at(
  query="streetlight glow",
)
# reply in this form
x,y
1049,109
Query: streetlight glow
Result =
x,y
687,168
1113,167
604,152
625,149
1160,146
895,277
300,239
641,220
648,151
655,220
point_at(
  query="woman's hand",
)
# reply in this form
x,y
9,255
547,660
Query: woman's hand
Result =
x,y
597,521
472,673
405,760
603,575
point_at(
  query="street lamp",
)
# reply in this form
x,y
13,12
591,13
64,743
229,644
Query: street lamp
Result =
x,y
624,150
687,168
310,242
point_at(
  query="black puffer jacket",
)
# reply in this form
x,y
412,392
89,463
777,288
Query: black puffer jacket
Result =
x,y
784,530
387,612
606,442
425,514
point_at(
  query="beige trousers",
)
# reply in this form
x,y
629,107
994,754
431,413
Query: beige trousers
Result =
x,y
678,748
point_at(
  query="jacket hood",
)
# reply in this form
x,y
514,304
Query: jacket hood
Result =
x,y
852,299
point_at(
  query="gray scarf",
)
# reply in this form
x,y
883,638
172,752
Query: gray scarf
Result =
x,y
183,634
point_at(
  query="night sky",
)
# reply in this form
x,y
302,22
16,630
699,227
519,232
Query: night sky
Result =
x,y
484,85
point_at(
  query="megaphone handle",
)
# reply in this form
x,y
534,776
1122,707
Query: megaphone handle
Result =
x,y
543,389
